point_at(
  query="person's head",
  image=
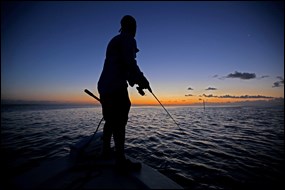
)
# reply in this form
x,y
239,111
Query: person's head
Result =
x,y
129,25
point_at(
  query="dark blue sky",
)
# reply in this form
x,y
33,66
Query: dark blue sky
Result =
x,y
54,50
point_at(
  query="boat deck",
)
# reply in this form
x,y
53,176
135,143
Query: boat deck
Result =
x,y
91,172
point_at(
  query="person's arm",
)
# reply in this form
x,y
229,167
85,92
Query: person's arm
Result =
x,y
135,76
129,50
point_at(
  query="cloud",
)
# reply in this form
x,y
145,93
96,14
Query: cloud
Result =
x,y
188,95
210,96
278,83
244,76
247,97
245,102
239,97
264,76
211,88
190,88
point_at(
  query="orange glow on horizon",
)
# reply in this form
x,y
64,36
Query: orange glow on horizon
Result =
x,y
169,102
136,99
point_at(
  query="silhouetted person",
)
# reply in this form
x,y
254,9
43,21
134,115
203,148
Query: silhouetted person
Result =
x,y
120,67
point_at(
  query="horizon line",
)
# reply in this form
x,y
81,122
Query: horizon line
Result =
x,y
274,101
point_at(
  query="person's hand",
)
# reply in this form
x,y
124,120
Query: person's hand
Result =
x,y
143,84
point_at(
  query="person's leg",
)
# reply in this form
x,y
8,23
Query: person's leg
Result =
x,y
119,130
107,109
115,108
107,135
119,139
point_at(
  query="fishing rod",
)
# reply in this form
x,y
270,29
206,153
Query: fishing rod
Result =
x,y
149,89
164,109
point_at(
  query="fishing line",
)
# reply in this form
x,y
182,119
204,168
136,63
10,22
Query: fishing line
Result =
x,y
93,133
98,99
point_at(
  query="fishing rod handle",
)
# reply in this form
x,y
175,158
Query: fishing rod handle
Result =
x,y
92,95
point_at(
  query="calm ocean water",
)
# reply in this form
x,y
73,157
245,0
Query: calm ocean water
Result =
x,y
216,148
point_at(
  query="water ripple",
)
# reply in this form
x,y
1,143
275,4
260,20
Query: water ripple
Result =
x,y
216,148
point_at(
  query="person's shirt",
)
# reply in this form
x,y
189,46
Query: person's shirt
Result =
x,y
120,64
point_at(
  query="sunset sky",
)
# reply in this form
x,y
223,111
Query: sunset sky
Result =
x,y
189,51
